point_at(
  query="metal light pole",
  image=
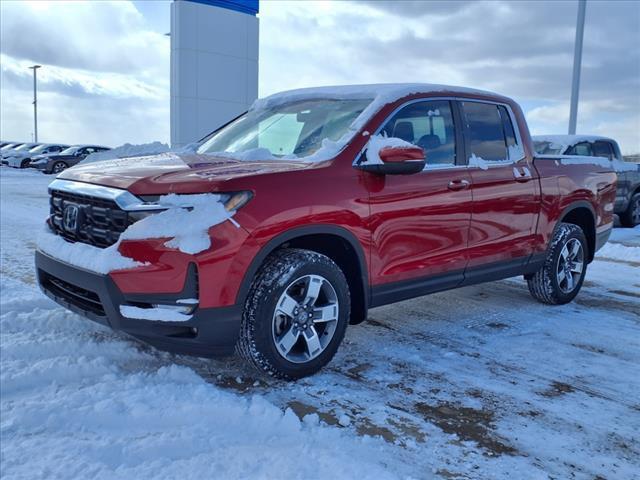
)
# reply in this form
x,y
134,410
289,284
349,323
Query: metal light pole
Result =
x,y
577,63
35,103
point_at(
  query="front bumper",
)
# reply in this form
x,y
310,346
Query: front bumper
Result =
x,y
43,167
210,332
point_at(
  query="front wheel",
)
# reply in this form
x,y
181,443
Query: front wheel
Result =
x,y
631,216
58,167
560,278
295,315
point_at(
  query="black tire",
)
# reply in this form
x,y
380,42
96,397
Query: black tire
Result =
x,y
544,285
258,331
58,167
631,217
25,163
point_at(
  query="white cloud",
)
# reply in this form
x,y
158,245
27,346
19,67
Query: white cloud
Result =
x,y
105,75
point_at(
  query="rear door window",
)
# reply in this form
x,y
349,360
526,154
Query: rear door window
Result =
x,y
485,131
603,149
582,149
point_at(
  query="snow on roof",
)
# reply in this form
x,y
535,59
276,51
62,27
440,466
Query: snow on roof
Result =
x,y
379,93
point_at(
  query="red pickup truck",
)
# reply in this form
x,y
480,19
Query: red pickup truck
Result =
x,y
294,219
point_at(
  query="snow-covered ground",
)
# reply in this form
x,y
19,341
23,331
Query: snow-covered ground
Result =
x,y
481,382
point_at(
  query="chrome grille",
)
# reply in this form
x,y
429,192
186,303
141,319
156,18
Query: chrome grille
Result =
x,y
98,222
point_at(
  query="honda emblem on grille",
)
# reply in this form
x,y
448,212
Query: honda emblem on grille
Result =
x,y
70,218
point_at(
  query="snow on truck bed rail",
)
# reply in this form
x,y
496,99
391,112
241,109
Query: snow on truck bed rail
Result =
x,y
617,165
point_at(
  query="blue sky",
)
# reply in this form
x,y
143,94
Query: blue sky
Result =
x,y
106,64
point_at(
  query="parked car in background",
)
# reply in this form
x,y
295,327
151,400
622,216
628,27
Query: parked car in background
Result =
x,y
627,204
66,158
272,240
16,151
21,159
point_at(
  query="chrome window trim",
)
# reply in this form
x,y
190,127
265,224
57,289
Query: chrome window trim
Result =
x,y
123,198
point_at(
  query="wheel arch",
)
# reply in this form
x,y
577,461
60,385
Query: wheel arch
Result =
x,y
582,214
335,242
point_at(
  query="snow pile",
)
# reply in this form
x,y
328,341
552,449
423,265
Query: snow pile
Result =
x,y
378,142
82,255
128,150
186,220
158,314
81,402
618,251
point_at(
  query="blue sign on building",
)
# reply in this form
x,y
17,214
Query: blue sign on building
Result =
x,y
245,6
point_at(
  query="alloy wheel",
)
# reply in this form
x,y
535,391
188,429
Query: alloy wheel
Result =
x,y
570,265
305,318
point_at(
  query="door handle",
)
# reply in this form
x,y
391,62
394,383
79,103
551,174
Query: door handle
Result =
x,y
458,185
523,175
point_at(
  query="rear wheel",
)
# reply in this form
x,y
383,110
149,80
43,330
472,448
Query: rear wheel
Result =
x,y
295,315
25,163
561,277
58,167
631,217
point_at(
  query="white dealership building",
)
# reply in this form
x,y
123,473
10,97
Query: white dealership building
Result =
x,y
214,64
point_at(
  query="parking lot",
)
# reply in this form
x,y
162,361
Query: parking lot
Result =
x,y
481,382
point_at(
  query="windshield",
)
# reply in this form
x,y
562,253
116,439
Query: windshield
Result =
x,y
69,151
26,146
9,146
287,131
37,149
548,148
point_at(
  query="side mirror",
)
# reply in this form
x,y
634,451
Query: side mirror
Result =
x,y
397,161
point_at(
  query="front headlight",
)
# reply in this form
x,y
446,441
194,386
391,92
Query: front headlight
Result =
x,y
155,204
235,201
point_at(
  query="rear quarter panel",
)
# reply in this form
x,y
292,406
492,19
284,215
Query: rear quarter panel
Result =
x,y
565,185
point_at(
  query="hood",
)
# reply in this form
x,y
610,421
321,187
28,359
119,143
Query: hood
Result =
x,y
175,172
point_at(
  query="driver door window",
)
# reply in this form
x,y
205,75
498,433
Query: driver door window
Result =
x,y
429,125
